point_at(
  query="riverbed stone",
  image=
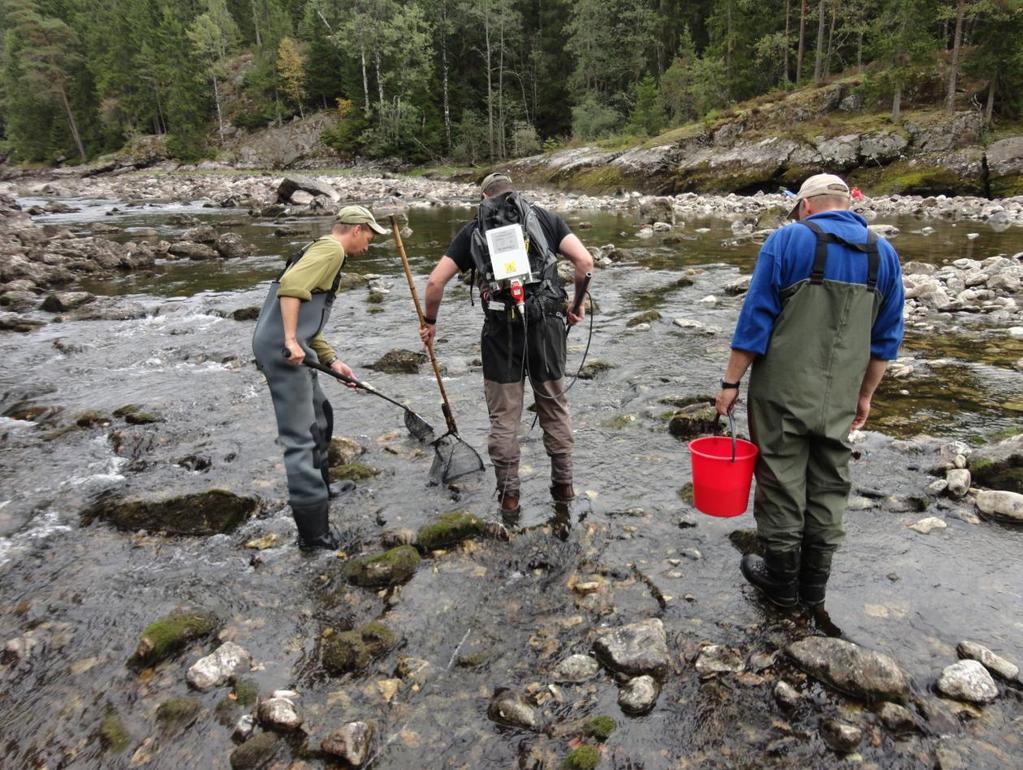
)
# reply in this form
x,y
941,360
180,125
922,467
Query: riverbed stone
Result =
x,y
231,246
165,637
896,718
279,712
256,752
215,669
638,695
112,734
353,650
62,301
958,482
969,681
509,708
646,317
849,668
399,362
718,659
196,252
205,513
450,529
389,568
928,525
786,694
178,713
694,421
840,736
351,743
992,662
575,669
636,649
1001,505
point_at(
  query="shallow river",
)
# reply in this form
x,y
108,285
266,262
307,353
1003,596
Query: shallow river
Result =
x,y
495,614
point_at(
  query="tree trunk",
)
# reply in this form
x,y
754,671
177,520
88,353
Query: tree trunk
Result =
x,y
989,108
897,103
953,75
501,131
365,78
490,83
785,64
216,99
444,70
831,38
380,82
802,41
255,24
859,52
818,62
71,122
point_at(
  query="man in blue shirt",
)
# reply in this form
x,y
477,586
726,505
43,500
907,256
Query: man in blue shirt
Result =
x,y
821,320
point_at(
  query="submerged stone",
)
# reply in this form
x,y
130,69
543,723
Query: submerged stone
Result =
x,y
647,316
205,513
840,736
599,727
134,415
255,752
353,650
639,695
217,668
994,663
582,758
178,713
575,669
389,568
352,743
279,712
635,649
112,735
450,529
509,709
166,636
593,368
399,362
850,668
694,421
352,472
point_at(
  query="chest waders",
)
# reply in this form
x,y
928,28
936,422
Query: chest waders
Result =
x,y
305,418
803,395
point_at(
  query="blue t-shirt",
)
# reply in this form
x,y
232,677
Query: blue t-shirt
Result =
x,y
787,258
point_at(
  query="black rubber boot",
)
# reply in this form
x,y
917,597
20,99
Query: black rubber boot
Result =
x,y
339,488
776,575
313,525
814,571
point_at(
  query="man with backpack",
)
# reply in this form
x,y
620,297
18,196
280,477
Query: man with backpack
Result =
x,y
524,327
289,328
821,320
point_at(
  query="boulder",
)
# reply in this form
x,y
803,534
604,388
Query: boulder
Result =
x,y
165,637
639,695
231,246
1002,505
399,362
205,513
849,668
636,649
62,301
994,663
215,669
694,421
389,568
294,182
351,744
1005,166
508,708
968,680
192,250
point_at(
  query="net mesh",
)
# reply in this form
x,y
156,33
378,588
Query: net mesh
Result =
x,y
453,459
419,428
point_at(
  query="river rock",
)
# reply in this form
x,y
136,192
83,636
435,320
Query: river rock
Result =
x,y
352,743
294,182
206,513
215,669
994,663
636,649
255,752
653,210
231,246
786,694
166,636
1001,504
1005,166
389,568
840,736
693,421
575,669
639,695
353,650
896,718
850,668
928,525
399,362
450,529
509,709
279,712
718,659
968,680
62,301
958,482
191,250
244,727
176,714
19,301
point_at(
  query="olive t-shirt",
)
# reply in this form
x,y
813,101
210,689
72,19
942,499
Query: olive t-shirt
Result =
x,y
315,273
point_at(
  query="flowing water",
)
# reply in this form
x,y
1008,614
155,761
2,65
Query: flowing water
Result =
x,y
494,614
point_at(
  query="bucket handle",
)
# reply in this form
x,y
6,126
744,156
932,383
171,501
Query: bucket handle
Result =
x,y
731,430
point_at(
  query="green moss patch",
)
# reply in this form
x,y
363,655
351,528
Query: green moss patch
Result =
x,y
256,752
166,636
112,735
178,713
450,529
646,317
134,415
353,650
352,471
389,568
582,758
600,728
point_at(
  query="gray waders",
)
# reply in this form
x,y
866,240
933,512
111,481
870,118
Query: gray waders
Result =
x,y
305,419
803,395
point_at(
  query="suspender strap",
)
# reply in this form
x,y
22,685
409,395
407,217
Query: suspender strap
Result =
x,y
820,259
296,257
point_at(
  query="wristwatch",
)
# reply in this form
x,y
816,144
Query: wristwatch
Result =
x,y
725,385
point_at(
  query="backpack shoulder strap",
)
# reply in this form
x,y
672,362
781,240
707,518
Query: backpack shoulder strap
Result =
x,y
820,257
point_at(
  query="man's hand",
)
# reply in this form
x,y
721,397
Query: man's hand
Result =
x,y
725,401
344,370
862,412
573,319
427,334
296,355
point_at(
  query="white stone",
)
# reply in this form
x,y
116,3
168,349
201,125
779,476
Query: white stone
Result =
x,y
968,680
786,694
215,669
639,694
958,481
280,713
937,487
575,669
1001,503
717,659
685,323
931,523
994,663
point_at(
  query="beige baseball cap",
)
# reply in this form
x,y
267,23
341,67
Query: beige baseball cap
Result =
x,y
492,179
359,215
819,184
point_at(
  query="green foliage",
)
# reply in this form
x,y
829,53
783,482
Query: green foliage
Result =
x,y
648,110
592,117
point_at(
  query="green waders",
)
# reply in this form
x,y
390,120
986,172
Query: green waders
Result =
x,y
803,395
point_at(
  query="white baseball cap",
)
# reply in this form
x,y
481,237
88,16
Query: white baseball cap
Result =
x,y
819,184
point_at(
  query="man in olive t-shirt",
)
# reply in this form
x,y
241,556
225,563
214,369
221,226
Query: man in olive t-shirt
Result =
x,y
289,329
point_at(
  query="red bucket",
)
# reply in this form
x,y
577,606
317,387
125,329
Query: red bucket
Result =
x,y
722,474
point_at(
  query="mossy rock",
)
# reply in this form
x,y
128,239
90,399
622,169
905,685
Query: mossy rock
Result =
x,y
582,758
166,636
205,513
389,568
91,419
133,415
599,727
112,735
681,402
646,317
246,692
374,309
746,541
399,362
256,752
352,471
343,451
178,713
694,421
1007,186
1005,475
593,368
245,314
353,650
620,421
450,529
685,493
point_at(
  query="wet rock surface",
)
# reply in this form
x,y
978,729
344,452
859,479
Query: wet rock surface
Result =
x,y
636,649
168,635
968,680
206,513
850,668
215,669
351,744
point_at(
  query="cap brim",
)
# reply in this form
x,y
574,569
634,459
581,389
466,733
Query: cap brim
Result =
x,y
378,229
795,209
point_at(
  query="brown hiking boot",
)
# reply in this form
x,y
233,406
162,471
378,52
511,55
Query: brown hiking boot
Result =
x,y
563,492
510,503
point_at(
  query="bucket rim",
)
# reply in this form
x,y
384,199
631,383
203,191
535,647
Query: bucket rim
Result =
x,y
744,450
